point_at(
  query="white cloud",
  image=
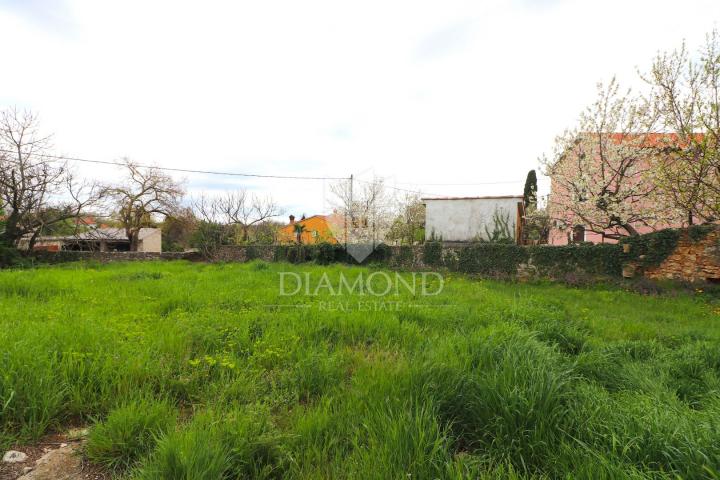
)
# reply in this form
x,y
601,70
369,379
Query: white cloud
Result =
x,y
418,91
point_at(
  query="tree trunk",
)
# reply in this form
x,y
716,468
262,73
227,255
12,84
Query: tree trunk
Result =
x,y
133,237
33,240
630,229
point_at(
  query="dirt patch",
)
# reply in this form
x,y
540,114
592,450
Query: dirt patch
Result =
x,y
55,457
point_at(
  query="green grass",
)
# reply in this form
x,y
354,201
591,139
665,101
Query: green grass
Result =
x,y
129,432
197,371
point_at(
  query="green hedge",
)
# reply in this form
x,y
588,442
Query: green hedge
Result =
x,y
323,253
503,260
490,259
432,253
600,259
652,248
493,259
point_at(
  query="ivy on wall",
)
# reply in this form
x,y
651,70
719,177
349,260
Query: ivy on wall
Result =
x,y
492,259
697,233
432,253
600,259
488,259
651,249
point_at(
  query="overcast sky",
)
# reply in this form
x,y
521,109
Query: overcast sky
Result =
x,y
419,92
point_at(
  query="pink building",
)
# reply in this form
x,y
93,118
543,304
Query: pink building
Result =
x,y
636,156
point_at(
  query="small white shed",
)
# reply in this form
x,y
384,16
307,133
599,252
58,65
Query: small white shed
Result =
x,y
464,219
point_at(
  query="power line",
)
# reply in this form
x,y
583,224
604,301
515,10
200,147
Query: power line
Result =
x,y
255,175
400,189
183,170
461,184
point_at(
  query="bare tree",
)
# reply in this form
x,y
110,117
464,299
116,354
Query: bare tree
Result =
x,y
210,232
221,217
35,192
600,169
246,210
146,192
366,211
686,93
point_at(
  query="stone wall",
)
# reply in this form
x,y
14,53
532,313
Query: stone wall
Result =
x,y
410,257
244,253
692,255
692,260
484,259
106,257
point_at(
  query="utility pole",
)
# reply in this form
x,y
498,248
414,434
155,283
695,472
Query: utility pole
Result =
x,y
349,207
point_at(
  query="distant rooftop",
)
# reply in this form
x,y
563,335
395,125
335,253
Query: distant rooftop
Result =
x,y
491,197
112,234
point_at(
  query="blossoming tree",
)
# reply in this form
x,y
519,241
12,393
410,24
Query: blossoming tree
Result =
x,y
600,168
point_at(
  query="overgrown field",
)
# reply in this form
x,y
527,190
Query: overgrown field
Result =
x,y
195,371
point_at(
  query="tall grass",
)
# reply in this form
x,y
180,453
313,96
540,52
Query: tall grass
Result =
x,y
129,432
193,371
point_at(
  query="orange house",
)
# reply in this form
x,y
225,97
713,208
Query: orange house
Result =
x,y
316,229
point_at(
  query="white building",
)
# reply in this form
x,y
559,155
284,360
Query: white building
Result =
x,y
465,219
99,240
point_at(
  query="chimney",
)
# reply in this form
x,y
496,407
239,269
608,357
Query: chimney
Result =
x,y
292,219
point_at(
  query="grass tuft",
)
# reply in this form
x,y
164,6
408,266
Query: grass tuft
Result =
x,y
129,432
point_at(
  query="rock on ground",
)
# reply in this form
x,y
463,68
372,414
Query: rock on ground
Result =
x,y
13,456
63,463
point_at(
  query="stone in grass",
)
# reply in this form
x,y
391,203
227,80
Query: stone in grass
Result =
x,y
13,456
60,464
77,433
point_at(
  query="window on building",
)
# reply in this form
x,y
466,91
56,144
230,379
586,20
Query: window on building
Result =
x,y
578,234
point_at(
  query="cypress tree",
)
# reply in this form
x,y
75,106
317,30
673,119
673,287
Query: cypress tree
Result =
x,y
530,191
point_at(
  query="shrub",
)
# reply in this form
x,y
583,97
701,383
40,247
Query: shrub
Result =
x,y
10,257
251,253
325,253
432,253
129,432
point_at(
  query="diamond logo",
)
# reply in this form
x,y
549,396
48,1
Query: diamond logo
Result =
x,y
360,251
